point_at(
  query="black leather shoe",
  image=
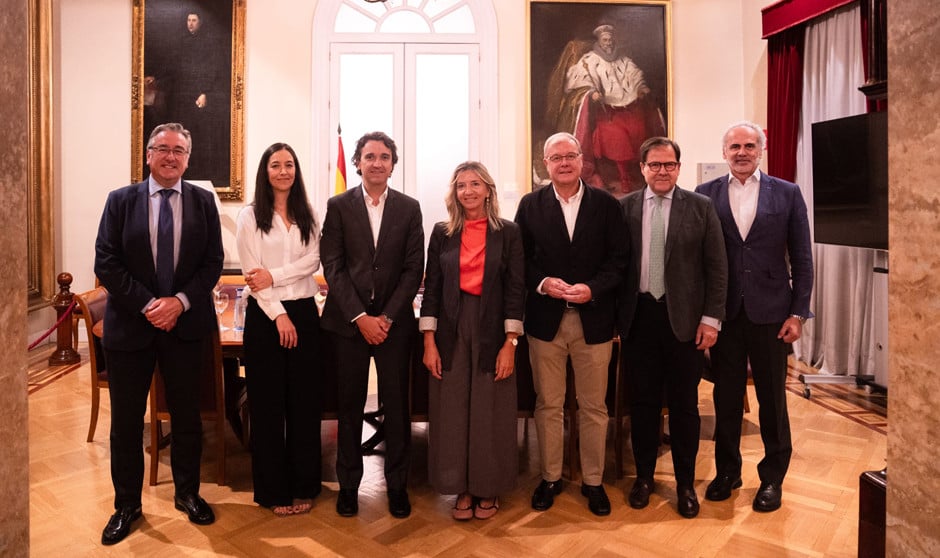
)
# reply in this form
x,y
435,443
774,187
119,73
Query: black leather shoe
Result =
x,y
640,493
119,526
398,504
598,502
196,508
720,488
544,495
768,497
347,502
688,501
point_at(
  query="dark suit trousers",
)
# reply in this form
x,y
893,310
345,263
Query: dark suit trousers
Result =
x,y
129,377
740,340
283,392
392,363
658,364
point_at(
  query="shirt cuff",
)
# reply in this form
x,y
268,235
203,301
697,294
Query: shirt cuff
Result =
x,y
184,299
513,326
714,322
359,315
427,323
538,289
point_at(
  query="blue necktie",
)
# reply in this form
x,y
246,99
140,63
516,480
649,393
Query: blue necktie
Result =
x,y
165,245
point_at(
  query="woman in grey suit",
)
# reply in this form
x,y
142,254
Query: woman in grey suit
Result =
x,y
471,314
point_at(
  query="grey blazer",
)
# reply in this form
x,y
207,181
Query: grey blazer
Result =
x,y
696,271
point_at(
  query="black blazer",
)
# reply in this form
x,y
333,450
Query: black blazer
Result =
x,y
124,265
503,296
596,256
355,269
696,269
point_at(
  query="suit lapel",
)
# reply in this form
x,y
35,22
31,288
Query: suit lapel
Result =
x,y
391,202
360,217
551,208
723,208
141,218
493,255
677,213
765,202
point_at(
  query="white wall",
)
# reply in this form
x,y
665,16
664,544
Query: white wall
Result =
x,y
719,76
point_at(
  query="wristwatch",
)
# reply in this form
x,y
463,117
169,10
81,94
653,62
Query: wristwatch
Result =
x,y
798,317
514,341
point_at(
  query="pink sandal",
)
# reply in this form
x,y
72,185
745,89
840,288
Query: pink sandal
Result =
x,y
463,513
482,511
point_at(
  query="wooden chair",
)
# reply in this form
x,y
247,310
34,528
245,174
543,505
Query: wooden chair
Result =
x,y
211,407
92,305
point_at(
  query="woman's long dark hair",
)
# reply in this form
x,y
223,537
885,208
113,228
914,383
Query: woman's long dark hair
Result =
x,y
298,208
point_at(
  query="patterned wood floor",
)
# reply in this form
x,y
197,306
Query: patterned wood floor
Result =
x,y
71,499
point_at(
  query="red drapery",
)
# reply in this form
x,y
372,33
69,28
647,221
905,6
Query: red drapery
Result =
x,y
784,99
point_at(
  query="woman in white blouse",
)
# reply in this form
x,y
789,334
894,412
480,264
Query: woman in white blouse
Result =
x,y
278,243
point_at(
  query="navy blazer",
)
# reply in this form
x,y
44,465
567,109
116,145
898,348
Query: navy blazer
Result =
x,y
696,270
356,270
124,265
770,274
503,296
595,256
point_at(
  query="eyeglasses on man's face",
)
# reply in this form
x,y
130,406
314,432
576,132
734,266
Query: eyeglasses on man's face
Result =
x,y
166,150
657,166
569,157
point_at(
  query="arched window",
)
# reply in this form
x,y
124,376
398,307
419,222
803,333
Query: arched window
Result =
x,y
423,71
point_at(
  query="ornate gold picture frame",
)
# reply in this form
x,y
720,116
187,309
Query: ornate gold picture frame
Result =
x,y
188,67
40,282
603,72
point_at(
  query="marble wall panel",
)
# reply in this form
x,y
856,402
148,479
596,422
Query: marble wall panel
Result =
x,y
914,279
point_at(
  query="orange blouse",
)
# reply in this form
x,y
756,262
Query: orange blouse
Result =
x,y
472,256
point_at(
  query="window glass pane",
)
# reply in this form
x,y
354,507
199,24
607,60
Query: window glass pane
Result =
x,y
405,22
435,7
442,128
349,20
366,93
459,21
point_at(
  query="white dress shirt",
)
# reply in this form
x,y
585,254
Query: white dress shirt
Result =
x,y
282,252
569,209
743,200
375,213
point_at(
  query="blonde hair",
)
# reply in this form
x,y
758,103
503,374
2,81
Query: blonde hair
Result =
x,y
455,210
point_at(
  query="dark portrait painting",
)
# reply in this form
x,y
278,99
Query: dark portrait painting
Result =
x,y
190,61
600,71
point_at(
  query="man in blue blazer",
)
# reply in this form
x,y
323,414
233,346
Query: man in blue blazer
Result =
x,y
372,250
159,254
671,309
770,271
575,251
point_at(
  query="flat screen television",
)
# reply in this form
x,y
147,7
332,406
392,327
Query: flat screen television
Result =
x,y
850,181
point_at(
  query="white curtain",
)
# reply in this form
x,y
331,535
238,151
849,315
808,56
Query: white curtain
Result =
x,y
839,340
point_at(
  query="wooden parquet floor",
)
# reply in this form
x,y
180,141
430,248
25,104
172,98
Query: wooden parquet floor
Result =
x,y
71,499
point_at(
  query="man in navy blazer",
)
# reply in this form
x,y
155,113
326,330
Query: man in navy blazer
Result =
x,y
575,252
149,322
770,271
669,317
372,250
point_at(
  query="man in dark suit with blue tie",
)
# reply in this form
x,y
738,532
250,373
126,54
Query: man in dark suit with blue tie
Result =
x,y
159,254
770,279
575,251
670,311
372,250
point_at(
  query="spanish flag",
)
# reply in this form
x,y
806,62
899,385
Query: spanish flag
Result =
x,y
340,165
